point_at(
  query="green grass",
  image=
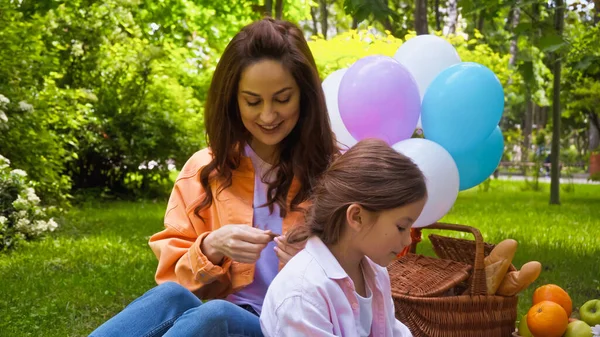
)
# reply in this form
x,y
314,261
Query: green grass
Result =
x,y
99,261
70,283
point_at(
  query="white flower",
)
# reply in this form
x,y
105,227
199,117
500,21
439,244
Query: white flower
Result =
x,y
21,214
76,48
31,196
18,172
22,224
3,100
52,225
40,226
21,204
3,117
25,107
3,220
596,330
4,160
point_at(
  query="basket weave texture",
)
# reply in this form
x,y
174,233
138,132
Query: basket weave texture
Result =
x,y
452,304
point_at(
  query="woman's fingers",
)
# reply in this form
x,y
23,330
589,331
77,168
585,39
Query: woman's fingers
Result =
x,y
253,235
282,255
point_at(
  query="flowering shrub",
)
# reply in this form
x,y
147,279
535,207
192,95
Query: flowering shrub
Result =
x,y
21,215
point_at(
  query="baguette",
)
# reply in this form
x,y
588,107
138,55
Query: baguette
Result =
x,y
497,264
516,281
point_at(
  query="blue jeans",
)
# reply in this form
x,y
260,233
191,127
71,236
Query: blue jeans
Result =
x,y
171,310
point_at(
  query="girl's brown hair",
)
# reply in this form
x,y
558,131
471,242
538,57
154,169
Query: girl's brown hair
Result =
x,y
370,174
306,152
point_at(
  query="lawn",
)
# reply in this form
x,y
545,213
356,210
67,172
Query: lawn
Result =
x,y
69,283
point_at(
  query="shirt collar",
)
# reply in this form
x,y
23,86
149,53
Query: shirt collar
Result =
x,y
332,268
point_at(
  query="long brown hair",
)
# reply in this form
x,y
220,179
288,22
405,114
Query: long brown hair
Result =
x,y
306,152
370,174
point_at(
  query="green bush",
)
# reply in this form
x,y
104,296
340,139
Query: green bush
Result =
x,y
91,99
21,215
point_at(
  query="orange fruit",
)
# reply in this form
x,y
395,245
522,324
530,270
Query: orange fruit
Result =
x,y
547,319
556,294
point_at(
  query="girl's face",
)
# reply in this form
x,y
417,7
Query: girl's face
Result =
x,y
382,236
269,103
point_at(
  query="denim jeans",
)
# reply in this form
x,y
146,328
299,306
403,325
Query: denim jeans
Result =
x,y
171,310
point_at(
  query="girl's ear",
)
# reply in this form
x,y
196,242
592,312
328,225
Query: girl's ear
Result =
x,y
355,217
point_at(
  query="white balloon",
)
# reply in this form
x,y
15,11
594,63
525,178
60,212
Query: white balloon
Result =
x,y
441,176
331,86
425,56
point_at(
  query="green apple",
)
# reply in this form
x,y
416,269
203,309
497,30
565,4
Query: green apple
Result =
x,y
590,312
578,329
523,328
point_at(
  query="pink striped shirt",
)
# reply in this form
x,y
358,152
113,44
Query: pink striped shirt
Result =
x,y
314,296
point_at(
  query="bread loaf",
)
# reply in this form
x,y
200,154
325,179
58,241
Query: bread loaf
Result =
x,y
516,281
497,264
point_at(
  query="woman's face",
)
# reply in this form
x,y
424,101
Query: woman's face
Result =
x,y
269,103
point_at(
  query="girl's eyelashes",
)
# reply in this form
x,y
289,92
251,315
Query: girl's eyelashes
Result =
x,y
253,103
285,100
400,228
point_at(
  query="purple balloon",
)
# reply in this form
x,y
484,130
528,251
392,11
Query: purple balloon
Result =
x,y
379,98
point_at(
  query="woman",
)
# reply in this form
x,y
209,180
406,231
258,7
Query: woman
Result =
x,y
269,140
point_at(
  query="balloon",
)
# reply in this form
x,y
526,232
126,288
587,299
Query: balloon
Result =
x,y
440,173
425,56
331,86
378,98
476,165
462,106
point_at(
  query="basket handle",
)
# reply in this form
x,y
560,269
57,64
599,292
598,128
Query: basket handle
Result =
x,y
478,284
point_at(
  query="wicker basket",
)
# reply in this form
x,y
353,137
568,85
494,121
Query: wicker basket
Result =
x,y
471,314
423,276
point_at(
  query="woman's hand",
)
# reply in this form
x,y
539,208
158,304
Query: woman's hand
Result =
x,y
240,243
286,251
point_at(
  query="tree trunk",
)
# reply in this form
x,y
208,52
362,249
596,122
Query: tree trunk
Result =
x,y
509,18
527,126
269,8
481,21
543,118
354,23
514,15
387,24
555,172
452,16
438,19
421,17
514,48
324,14
594,141
278,9
315,21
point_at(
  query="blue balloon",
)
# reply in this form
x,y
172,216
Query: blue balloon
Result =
x,y
462,106
476,165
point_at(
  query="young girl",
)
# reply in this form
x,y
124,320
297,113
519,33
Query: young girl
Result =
x,y
363,208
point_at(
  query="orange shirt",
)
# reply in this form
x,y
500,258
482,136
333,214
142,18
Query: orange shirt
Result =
x,y
177,247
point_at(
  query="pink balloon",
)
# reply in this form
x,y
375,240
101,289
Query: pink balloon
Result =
x,y
379,98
